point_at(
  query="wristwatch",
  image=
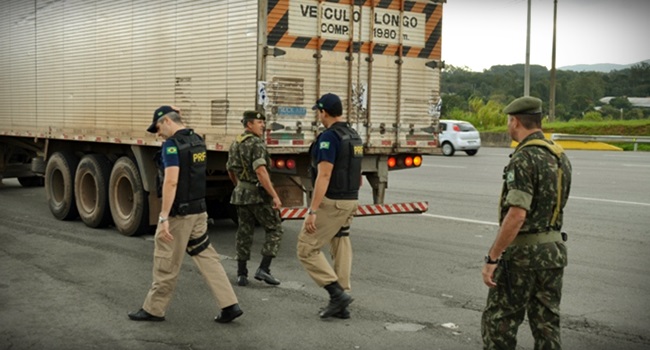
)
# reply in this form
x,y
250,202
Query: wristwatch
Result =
x,y
489,260
161,219
311,212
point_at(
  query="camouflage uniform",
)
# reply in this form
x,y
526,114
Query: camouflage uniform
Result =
x,y
534,282
252,201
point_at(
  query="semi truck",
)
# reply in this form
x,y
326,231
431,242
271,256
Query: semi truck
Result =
x,y
81,79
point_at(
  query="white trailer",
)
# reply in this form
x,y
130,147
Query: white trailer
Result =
x,y
80,79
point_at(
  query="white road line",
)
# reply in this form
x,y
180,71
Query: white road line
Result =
x,y
461,219
496,224
637,165
608,200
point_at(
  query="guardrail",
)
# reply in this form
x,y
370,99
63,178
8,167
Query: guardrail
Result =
x,y
602,138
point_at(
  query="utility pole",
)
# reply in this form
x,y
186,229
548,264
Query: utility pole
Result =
x,y
527,66
551,101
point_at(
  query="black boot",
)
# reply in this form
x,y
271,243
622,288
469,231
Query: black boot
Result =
x,y
242,273
264,272
339,300
229,313
343,314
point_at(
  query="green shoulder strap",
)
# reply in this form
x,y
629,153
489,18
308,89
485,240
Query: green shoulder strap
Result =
x,y
245,176
557,151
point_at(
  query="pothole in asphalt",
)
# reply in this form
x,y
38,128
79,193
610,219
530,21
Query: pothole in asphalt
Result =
x,y
404,327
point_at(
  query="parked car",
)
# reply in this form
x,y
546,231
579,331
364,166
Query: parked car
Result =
x,y
458,135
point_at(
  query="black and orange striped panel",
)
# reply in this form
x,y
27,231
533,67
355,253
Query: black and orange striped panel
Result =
x,y
278,29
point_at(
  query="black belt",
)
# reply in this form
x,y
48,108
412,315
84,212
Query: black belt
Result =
x,y
194,207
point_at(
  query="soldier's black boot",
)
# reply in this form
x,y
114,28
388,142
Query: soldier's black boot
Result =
x,y
242,273
264,272
339,300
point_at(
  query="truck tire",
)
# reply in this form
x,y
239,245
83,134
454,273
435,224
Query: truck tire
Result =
x,y
127,198
59,185
91,190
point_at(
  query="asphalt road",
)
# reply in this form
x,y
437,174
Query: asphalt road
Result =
x,y
416,278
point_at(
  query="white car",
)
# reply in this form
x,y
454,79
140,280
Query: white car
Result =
x,y
458,135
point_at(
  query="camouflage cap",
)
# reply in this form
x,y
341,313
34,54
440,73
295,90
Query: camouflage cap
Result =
x,y
250,115
524,105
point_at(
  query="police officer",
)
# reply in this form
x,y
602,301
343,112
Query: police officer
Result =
x,y
336,174
255,198
525,265
182,224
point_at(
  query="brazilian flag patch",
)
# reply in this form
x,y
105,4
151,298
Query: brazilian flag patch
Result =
x,y
324,145
171,150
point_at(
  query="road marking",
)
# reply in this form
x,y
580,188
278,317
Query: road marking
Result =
x,y
609,201
496,224
637,165
461,219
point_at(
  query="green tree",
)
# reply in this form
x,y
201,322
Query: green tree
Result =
x,y
634,113
475,104
620,102
610,112
451,102
576,93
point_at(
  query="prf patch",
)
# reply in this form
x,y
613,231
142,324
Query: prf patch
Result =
x,y
171,150
324,145
198,157
358,150
510,176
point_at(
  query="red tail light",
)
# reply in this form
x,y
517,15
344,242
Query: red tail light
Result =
x,y
284,166
404,161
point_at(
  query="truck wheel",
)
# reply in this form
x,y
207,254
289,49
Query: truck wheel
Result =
x,y
91,190
59,185
448,149
127,198
31,181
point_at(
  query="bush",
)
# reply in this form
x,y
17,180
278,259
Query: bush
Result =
x,y
593,116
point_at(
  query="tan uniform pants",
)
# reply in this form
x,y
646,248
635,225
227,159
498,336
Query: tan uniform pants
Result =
x,y
330,217
168,258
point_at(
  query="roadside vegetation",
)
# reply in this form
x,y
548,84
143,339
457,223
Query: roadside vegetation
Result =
x,y
479,98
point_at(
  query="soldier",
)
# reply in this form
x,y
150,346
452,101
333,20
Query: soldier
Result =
x,y
525,265
336,174
255,198
183,221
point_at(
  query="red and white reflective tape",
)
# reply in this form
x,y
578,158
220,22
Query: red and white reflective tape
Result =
x,y
293,213
365,210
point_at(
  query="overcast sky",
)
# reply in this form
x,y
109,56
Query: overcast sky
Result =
x,y
482,33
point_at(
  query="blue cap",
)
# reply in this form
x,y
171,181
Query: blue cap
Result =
x,y
159,113
331,104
